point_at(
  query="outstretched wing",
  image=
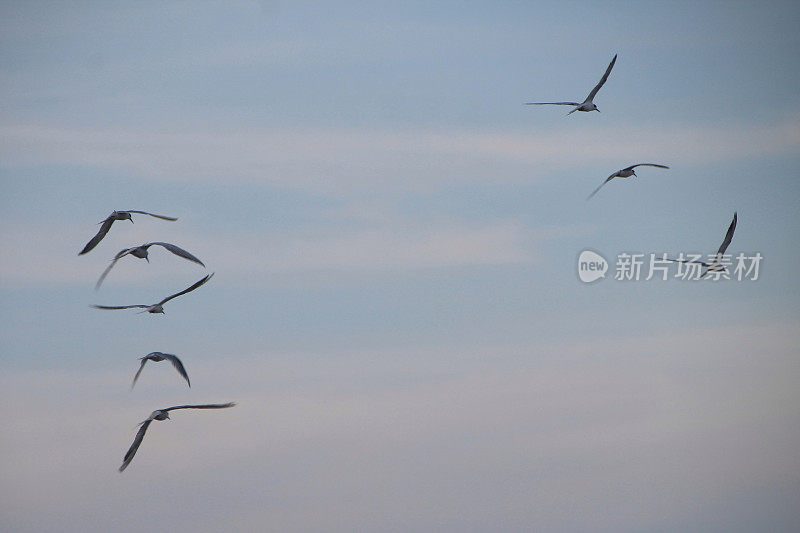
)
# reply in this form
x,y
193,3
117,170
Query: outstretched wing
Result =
x,y
602,80
611,177
178,366
552,103
184,291
141,367
180,252
106,225
206,406
135,446
121,306
153,215
728,237
645,165
117,257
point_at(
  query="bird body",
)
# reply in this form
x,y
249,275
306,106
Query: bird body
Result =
x,y
157,357
588,104
141,252
161,414
109,220
585,107
626,172
156,415
156,308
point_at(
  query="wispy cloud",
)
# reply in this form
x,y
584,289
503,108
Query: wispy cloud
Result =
x,y
336,161
644,427
388,242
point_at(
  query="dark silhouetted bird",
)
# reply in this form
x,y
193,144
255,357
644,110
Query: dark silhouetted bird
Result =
x,y
156,308
106,225
162,414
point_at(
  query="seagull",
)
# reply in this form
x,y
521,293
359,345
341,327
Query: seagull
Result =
x,y
141,252
157,357
626,172
586,105
106,225
162,414
715,265
156,308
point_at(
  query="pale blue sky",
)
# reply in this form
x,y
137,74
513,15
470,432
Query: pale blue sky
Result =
x,y
394,235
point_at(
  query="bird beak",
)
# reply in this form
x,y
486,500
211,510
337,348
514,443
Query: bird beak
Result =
x,y
597,110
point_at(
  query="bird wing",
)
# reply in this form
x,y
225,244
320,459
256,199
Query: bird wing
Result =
x,y
106,225
180,252
122,253
154,215
178,366
184,291
728,237
135,446
141,367
645,165
206,406
104,274
552,103
121,306
602,80
611,177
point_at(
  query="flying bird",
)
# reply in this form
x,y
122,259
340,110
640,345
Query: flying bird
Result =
x,y
715,265
626,172
157,357
162,414
106,225
156,308
141,252
587,105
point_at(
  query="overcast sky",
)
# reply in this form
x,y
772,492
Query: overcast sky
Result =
x,y
394,235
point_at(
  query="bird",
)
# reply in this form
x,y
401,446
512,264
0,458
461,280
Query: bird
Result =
x,y
587,105
626,172
157,357
162,414
141,252
156,308
106,225
716,263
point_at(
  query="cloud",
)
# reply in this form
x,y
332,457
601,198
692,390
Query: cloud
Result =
x,y
628,433
340,242
334,162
